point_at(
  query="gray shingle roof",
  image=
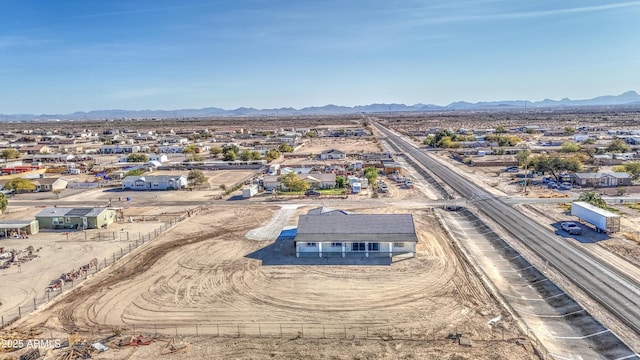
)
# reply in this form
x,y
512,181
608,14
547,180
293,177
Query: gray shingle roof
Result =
x,y
338,226
70,212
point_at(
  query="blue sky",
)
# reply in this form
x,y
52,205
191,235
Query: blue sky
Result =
x,y
63,56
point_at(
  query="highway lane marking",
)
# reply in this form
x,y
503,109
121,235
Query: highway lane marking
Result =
x,y
522,297
516,270
629,357
533,299
524,312
580,337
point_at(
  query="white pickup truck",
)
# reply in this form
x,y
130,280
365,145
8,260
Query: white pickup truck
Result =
x,y
571,227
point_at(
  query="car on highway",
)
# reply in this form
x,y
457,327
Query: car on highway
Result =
x,y
571,227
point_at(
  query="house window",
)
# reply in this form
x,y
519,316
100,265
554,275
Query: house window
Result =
x,y
398,245
374,246
67,220
57,221
357,247
311,244
336,244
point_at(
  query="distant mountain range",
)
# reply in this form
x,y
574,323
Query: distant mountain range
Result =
x,y
629,98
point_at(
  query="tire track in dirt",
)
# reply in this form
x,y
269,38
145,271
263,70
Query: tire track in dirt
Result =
x,y
137,263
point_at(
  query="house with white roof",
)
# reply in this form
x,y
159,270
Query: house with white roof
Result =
x,y
154,182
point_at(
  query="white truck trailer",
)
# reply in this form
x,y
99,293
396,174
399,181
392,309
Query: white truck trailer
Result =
x,y
604,221
250,191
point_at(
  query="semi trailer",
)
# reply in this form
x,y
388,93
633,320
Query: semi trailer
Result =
x,y
603,220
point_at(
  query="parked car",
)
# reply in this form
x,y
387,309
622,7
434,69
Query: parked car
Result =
x,y
312,193
565,186
529,175
571,227
512,169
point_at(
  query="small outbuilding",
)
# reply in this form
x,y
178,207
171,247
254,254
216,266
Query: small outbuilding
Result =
x,y
18,228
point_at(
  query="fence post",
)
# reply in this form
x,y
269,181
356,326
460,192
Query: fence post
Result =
x,y
105,262
323,333
176,329
367,332
218,328
281,330
155,328
98,236
259,330
238,330
197,329
129,247
48,298
127,236
302,330
345,331
121,253
19,312
114,257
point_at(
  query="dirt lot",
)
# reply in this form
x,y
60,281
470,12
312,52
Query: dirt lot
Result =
x,y
203,272
348,145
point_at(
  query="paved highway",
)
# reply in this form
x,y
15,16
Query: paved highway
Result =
x,y
618,293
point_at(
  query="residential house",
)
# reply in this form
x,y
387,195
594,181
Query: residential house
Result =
x,y
34,149
119,149
49,184
333,154
315,181
158,157
53,158
326,232
320,181
154,182
592,179
75,218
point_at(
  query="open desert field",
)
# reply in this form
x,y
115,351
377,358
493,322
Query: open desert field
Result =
x,y
208,276
348,145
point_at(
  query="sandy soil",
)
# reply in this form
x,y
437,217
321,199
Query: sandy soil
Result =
x,y
62,252
348,145
204,272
